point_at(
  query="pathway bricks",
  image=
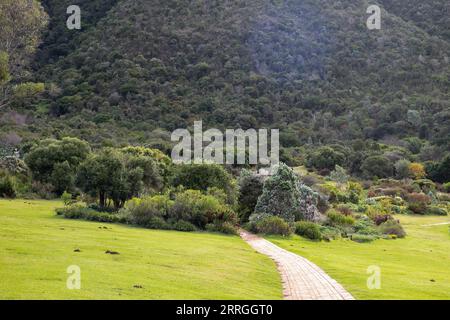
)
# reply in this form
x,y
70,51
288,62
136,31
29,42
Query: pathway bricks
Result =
x,y
302,280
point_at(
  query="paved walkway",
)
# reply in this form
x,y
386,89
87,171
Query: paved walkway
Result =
x,y
435,224
302,280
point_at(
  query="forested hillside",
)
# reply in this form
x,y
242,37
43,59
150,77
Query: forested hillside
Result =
x,y
139,69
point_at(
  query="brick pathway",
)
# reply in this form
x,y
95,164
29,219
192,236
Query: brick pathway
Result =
x,y
302,280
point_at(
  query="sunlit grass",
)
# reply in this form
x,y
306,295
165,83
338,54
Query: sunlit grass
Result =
x,y
36,247
417,267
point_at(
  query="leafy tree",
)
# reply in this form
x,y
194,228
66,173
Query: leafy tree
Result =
x,y
44,156
377,166
284,196
113,175
439,172
326,158
22,25
62,177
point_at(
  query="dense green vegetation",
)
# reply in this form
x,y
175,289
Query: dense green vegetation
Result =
x,y
36,247
86,115
139,69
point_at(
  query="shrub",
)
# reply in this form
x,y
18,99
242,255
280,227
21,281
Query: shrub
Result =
x,y
362,238
66,198
392,227
7,187
325,158
418,202
283,195
185,226
77,211
308,230
250,188
224,227
344,209
436,211
143,211
200,209
330,233
337,219
417,170
273,225
157,223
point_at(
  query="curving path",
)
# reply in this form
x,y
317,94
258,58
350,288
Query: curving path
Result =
x,y
302,280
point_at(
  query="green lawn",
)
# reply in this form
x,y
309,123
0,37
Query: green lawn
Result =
x,y
417,267
36,247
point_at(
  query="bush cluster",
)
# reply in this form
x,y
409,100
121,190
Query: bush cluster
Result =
x,y
308,230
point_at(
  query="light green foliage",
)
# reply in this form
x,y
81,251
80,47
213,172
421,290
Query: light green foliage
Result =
x,y
66,198
339,175
43,157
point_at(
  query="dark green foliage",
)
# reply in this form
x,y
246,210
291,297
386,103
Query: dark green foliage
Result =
x,y
377,166
439,172
250,188
326,158
205,176
7,187
56,161
185,226
273,225
418,202
284,196
116,176
62,177
123,77
308,230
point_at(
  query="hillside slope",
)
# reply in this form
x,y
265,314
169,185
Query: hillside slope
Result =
x,y
310,67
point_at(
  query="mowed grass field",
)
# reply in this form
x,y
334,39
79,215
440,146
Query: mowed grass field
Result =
x,y
37,247
417,267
